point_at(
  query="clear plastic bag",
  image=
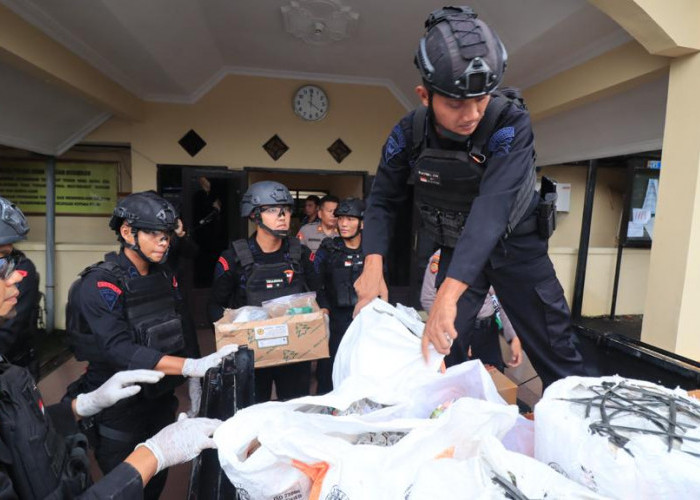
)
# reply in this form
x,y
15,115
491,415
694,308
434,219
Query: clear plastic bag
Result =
x,y
298,303
248,313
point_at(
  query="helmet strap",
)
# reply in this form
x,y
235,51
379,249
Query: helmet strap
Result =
x,y
136,248
277,233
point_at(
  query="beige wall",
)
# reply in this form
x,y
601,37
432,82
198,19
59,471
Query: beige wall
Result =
x,y
600,269
242,112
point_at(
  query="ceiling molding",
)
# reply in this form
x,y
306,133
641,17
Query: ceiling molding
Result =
x,y
623,149
600,46
50,149
36,16
286,75
81,133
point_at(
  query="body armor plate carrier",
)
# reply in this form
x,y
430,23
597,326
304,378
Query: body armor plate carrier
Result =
x,y
447,181
270,281
149,303
346,266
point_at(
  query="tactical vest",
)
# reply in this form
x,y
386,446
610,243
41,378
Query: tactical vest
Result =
x,y
149,303
270,281
346,266
41,463
446,182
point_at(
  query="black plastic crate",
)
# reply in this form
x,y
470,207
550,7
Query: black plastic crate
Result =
x,y
226,389
614,354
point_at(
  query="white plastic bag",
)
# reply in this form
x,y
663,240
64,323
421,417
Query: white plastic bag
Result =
x,y
485,469
383,344
640,468
302,453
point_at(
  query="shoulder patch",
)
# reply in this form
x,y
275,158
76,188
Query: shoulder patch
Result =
x,y
224,263
22,272
109,293
501,141
395,144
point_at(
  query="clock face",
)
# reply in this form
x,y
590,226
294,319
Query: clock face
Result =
x,y
310,103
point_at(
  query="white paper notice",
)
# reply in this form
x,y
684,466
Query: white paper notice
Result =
x,y
635,230
651,195
641,215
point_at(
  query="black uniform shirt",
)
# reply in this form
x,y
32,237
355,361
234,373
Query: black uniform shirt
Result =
x,y
229,286
510,160
102,307
15,332
122,483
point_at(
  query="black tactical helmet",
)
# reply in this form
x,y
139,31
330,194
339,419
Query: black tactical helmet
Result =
x,y
265,193
351,207
460,56
146,210
13,224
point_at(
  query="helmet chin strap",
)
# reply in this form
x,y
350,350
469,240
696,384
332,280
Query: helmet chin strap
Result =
x,y
136,248
356,233
277,233
447,134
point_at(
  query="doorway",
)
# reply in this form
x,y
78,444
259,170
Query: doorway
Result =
x,y
207,199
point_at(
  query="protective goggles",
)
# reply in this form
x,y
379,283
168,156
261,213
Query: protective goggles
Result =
x,y
7,266
279,209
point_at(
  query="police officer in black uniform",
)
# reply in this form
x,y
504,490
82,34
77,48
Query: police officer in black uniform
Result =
x,y
266,266
20,463
127,313
18,333
338,263
470,153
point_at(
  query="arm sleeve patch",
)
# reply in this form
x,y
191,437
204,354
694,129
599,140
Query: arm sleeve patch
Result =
x,y
224,264
395,144
501,141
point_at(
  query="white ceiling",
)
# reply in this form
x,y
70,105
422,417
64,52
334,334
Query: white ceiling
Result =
x,y
177,50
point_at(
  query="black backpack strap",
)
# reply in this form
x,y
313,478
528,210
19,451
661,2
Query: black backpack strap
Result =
x,y
418,130
295,251
243,253
483,133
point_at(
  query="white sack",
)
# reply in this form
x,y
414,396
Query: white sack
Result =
x,y
647,469
383,343
469,475
358,471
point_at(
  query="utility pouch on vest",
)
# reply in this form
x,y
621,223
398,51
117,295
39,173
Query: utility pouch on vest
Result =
x,y
547,208
164,335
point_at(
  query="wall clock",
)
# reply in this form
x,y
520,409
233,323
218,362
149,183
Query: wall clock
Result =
x,y
310,103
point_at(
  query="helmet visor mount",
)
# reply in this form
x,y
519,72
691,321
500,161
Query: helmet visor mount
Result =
x,y
476,80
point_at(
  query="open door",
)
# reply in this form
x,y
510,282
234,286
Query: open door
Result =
x,y
208,199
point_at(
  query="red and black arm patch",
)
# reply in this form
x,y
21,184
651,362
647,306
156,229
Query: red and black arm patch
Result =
x,y
221,267
109,292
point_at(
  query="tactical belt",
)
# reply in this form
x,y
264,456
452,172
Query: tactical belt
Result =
x,y
114,434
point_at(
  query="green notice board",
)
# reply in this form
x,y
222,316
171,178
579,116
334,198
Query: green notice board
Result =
x,y
82,188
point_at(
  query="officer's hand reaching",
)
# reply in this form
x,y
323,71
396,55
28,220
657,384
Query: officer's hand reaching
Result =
x,y
370,284
516,351
440,328
182,441
198,367
120,386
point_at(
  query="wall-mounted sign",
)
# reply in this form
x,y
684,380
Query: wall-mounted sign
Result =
x,y
82,188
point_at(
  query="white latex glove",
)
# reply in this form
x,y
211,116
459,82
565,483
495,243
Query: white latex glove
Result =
x,y
182,441
198,367
194,387
121,385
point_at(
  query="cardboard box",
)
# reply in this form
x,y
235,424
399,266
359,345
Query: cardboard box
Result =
x,y
277,341
506,387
